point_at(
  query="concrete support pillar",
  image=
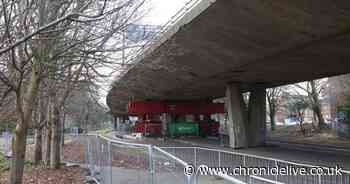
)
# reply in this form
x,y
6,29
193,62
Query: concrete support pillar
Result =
x,y
166,119
118,124
236,109
256,127
115,122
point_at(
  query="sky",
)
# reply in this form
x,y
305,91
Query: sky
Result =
x,y
157,12
160,11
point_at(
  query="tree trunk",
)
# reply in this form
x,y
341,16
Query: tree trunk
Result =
x,y
272,120
37,145
301,123
314,119
272,103
321,122
24,108
86,120
47,145
63,128
18,156
317,105
55,139
272,114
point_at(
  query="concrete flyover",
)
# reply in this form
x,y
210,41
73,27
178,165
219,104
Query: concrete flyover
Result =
x,y
232,46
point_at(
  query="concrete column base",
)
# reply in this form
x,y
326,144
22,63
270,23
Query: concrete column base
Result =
x,y
118,124
166,119
236,116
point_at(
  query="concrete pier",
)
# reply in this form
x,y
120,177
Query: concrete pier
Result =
x,y
236,116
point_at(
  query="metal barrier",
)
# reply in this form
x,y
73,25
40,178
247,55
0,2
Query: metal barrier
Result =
x,y
168,168
226,159
113,161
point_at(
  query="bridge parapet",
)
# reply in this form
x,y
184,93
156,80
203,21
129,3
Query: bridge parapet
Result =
x,y
186,14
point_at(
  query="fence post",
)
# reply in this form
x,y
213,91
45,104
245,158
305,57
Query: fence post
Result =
x,y
195,164
87,154
189,179
98,151
244,164
110,162
195,157
276,177
151,161
319,179
219,158
98,167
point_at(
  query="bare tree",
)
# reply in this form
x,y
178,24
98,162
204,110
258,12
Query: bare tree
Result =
x,y
315,89
40,40
85,110
297,105
274,96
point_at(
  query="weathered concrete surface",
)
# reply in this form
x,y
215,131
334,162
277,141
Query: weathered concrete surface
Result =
x,y
256,127
237,118
256,42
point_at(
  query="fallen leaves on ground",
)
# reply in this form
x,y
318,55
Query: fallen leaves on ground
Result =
x,y
42,175
74,152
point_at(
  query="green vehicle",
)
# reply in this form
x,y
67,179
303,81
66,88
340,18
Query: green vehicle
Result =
x,y
183,128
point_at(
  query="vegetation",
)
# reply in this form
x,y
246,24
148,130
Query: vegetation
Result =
x,y
297,105
314,90
48,50
4,163
7,125
345,109
274,96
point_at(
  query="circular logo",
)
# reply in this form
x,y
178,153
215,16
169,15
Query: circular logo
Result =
x,y
189,170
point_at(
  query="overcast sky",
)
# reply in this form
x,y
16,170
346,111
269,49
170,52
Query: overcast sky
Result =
x,y
160,11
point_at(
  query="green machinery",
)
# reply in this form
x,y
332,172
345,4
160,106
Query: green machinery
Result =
x,y
183,128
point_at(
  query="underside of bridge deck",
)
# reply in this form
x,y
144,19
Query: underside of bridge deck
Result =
x,y
257,43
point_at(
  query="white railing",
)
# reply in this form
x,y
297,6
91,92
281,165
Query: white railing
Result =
x,y
221,158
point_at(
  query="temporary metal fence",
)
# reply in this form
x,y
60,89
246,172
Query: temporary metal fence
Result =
x,y
115,161
168,168
111,161
225,159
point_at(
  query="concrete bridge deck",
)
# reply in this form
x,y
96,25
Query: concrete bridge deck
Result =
x,y
224,47
256,43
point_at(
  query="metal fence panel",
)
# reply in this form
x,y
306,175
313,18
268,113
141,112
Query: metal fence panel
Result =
x,y
112,161
169,168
